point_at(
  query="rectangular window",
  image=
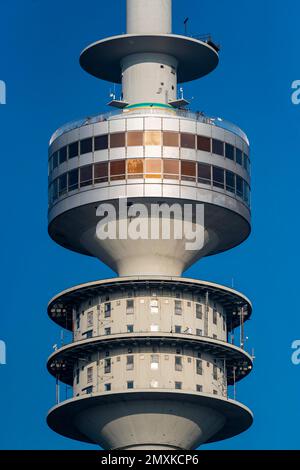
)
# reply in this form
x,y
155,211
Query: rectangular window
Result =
x,y
101,142
218,177
63,154
218,147
245,162
129,306
178,363
135,139
154,328
215,392
130,384
107,366
199,332
86,146
90,319
107,331
89,334
55,160
239,156
73,179
171,169
129,328
152,138
246,193
177,329
199,312
129,362
107,387
117,140
77,376
89,390
178,307
117,170
154,361
170,139
230,181
107,310
188,170
101,172
135,168
199,369
86,175
188,141
178,385
62,184
73,150
199,388
229,151
215,372
153,168
204,173
89,375
239,186
215,316
224,324
203,143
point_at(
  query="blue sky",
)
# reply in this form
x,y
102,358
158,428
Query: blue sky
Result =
x,y
40,42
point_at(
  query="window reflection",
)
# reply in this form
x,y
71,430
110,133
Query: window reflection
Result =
x,y
218,177
188,141
117,170
152,138
170,139
117,140
203,143
101,142
218,147
86,175
171,169
135,168
204,173
135,138
188,170
153,168
101,172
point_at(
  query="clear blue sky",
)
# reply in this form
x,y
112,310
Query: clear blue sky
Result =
x,y
40,42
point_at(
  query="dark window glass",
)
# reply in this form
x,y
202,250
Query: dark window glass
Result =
x,y
230,181
55,160
73,179
86,175
218,177
246,193
107,387
86,146
171,169
239,156
101,172
246,163
239,186
55,190
73,150
204,173
62,155
107,366
117,169
135,139
203,143
62,184
178,385
229,151
101,142
199,368
117,140
188,170
130,384
218,147
170,139
188,141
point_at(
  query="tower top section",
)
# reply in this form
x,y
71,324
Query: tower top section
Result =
x,y
149,17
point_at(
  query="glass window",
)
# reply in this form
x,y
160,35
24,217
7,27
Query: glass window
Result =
x,y
199,332
170,139
239,156
73,150
199,369
218,147
246,163
178,307
154,361
178,363
107,387
178,385
62,184
153,168
171,169
215,372
86,175
204,173
203,143
77,376
101,142
63,154
89,373
177,329
135,139
218,177
107,331
229,151
55,160
199,311
188,141
89,390
107,310
188,170
117,140
152,137
89,334
129,362
86,146
101,172
73,179
107,366
239,186
199,388
230,181
55,189
90,319
247,193
215,316
129,306
135,168
130,384
129,328
117,170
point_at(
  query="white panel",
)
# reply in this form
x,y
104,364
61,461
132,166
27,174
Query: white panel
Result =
x,y
152,123
100,155
116,125
116,154
117,191
188,154
135,124
188,192
73,163
136,190
101,128
86,159
203,129
72,136
239,142
86,131
135,152
204,157
171,124
153,190
229,138
171,152
172,191
153,151
62,168
187,125
218,133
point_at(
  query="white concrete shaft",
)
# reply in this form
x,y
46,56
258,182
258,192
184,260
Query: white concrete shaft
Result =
x,y
149,77
149,16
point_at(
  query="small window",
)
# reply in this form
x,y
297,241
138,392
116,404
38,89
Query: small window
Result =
x,y
199,388
229,151
130,384
62,184
107,366
215,392
178,307
63,154
107,331
170,139
199,332
90,319
129,362
152,137
188,170
89,334
171,169
215,372
178,363
203,143
89,373
199,313
73,150
239,156
86,175
77,376
215,316
86,146
239,186
129,306
153,168
135,139
55,160
204,173
101,142
218,147
224,324
73,180
154,328
178,385
199,369
230,181
89,390
107,387
107,310
218,177
129,328
177,329
117,140
101,172
154,361
188,141
117,170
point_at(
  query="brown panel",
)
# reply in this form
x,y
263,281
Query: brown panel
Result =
x,y
135,139
101,172
153,168
117,140
152,137
135,168
203,143
170,139
117,170
188,141
171,169
188,170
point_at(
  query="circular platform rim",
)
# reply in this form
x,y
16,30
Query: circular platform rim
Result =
x,y
102,58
